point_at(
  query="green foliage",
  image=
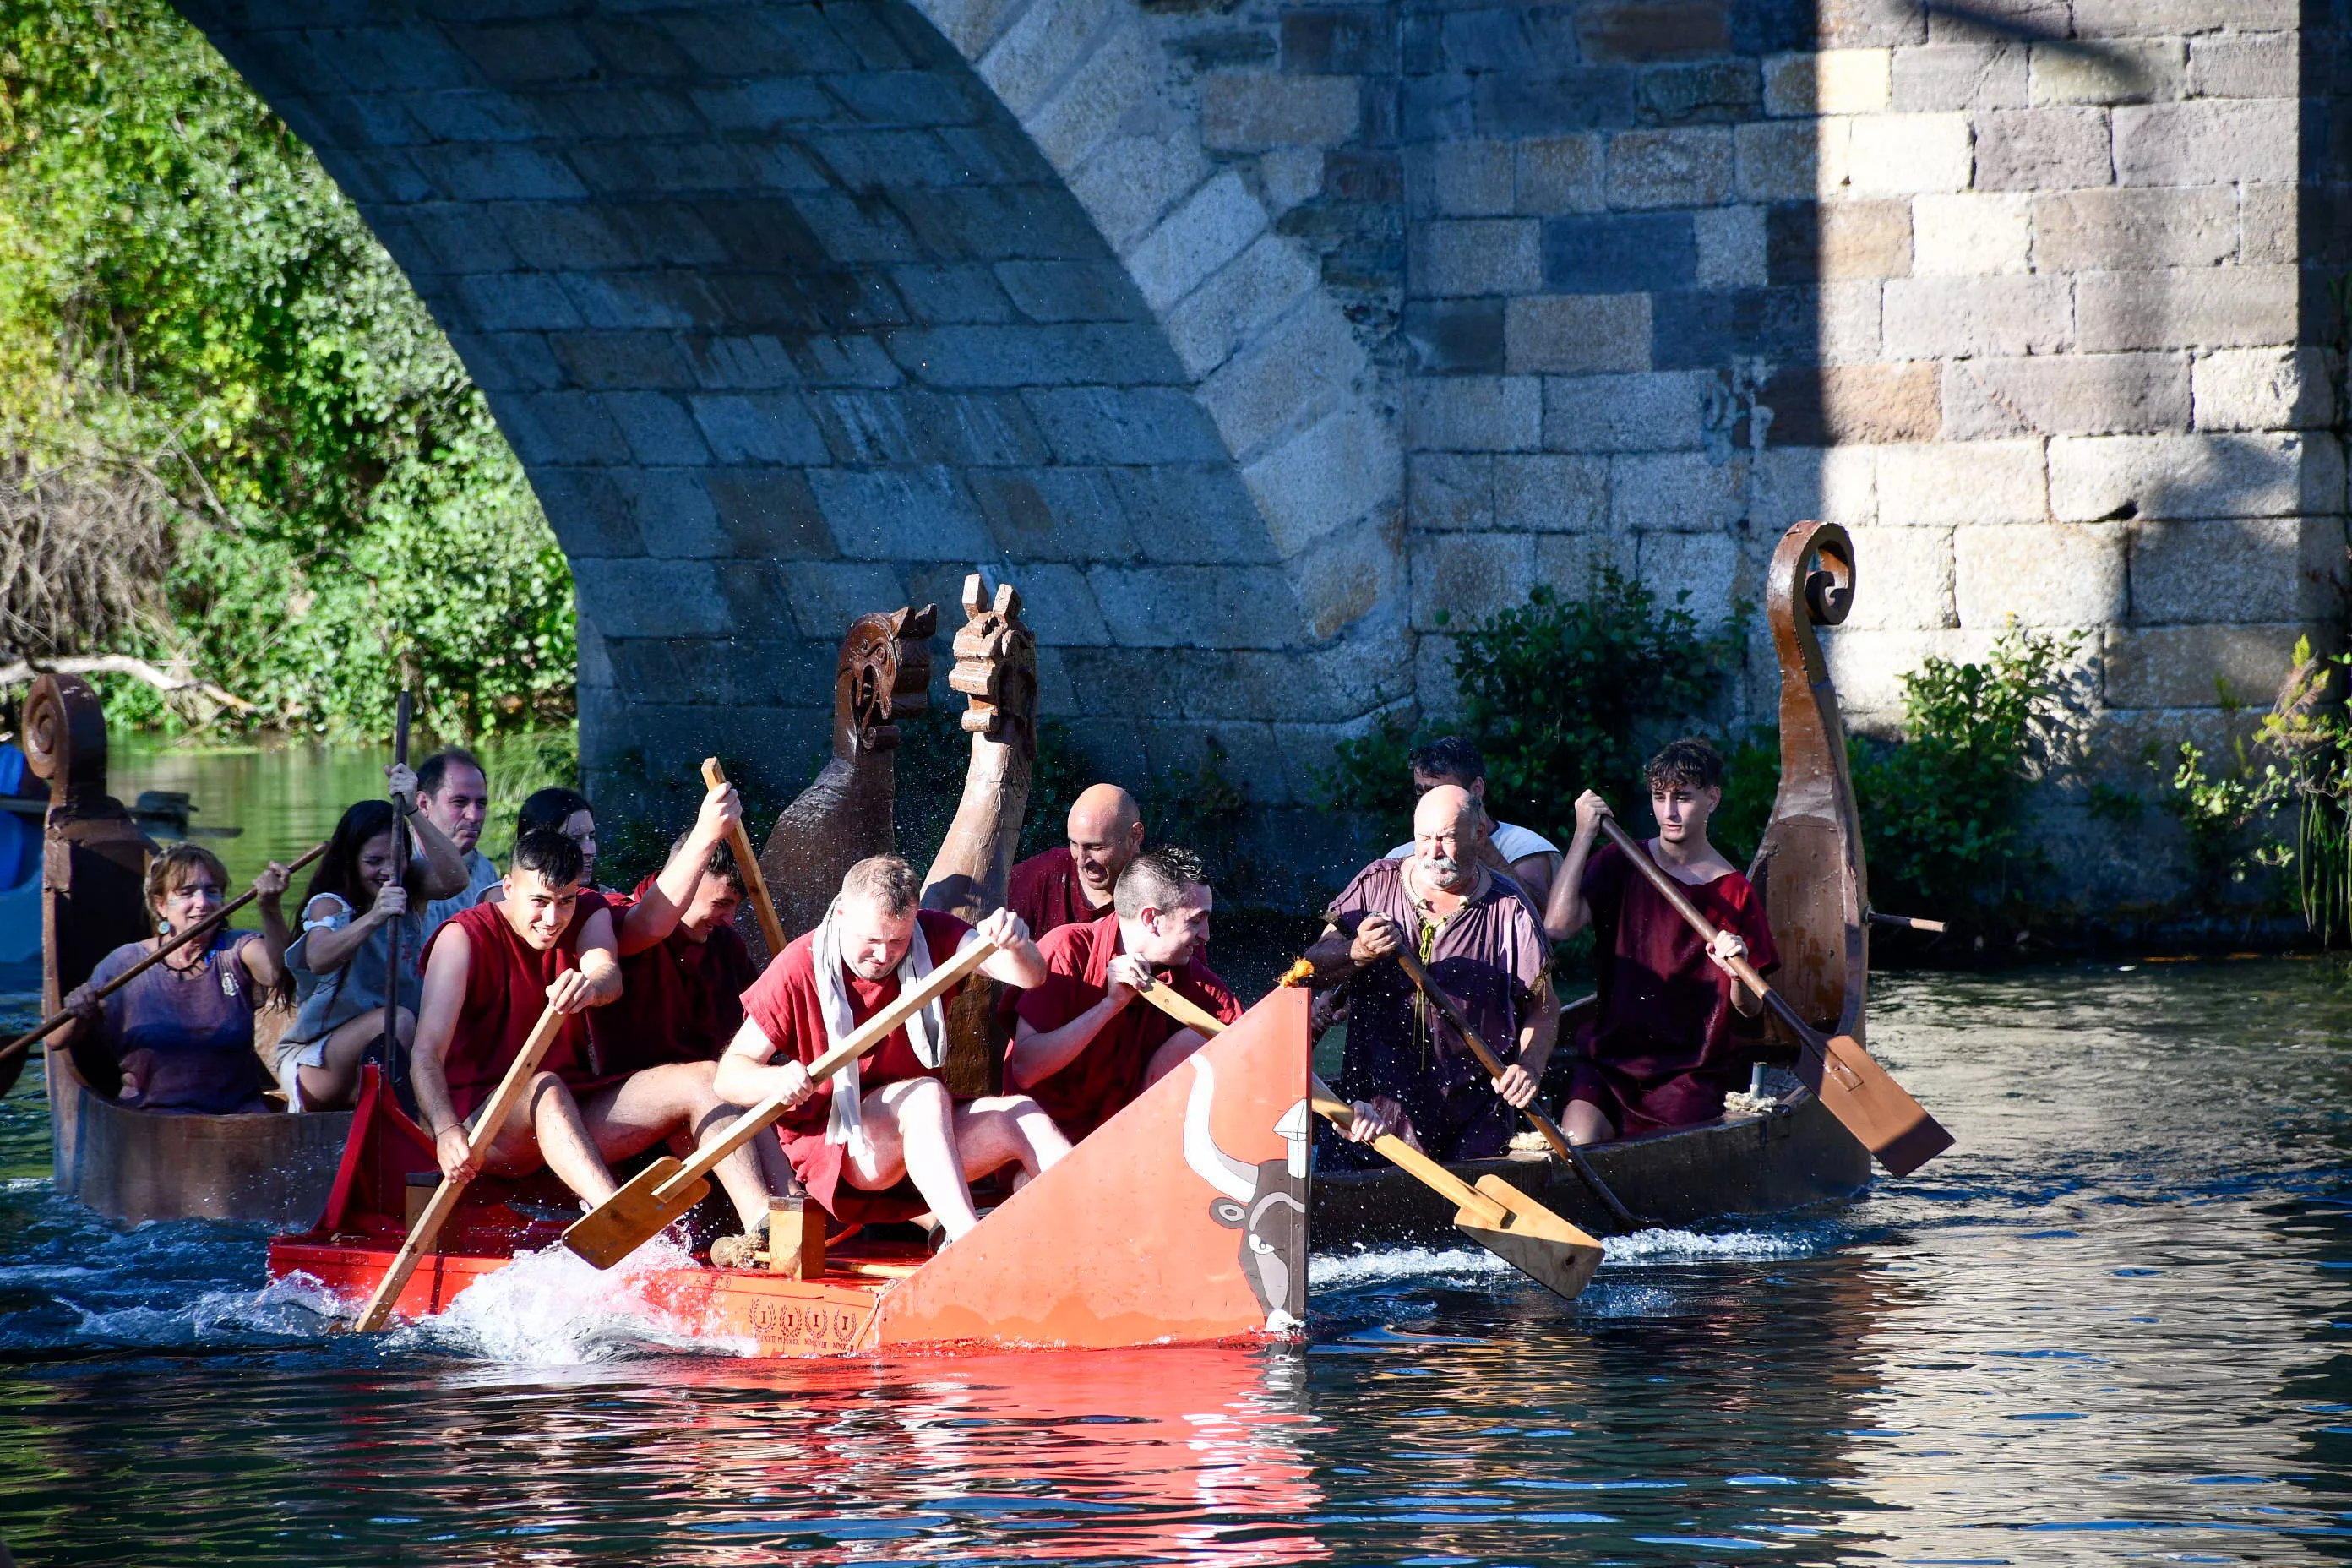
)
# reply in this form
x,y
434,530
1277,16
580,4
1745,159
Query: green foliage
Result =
x,y
184,294
1751,780
1561,696
1945,809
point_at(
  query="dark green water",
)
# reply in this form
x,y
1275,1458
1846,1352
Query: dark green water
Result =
x,y
2110,1326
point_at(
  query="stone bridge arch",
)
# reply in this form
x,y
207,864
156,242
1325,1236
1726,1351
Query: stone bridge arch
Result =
x,y
793,310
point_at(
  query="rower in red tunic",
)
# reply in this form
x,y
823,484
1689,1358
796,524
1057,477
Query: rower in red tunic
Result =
x,y
1664,1049
888,1116
1085,1045
489,971
1071,884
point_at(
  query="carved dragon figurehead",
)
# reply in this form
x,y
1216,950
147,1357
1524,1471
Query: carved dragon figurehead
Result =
x,y
884,675
996,667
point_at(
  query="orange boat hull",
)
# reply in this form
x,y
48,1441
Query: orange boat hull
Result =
x,y
1182,1221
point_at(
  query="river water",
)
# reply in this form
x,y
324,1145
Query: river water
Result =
x,y
2109,1326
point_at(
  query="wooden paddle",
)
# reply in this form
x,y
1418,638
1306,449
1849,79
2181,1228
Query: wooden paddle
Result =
x,y
666,1189
1496,1215
771,928
59,1019
421,1236
1411,964
1503,1220
1861,1095
388,1050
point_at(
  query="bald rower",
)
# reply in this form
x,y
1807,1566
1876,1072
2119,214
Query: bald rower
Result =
x,y
1481,943
1073,885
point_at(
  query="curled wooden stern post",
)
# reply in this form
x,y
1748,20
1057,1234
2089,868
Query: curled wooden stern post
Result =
x,y
1808,869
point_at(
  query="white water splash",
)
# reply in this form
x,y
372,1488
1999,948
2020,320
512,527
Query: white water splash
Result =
x,y
552,1308
291,1307
1674,1246
1357,1269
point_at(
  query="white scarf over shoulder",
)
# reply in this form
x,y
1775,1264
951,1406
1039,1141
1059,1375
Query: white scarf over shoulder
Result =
x,y
927,1031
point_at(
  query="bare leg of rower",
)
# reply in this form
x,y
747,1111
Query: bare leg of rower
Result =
x,y
547,1129
1584,1123
329,1085
647,1106
911,1128
997,1130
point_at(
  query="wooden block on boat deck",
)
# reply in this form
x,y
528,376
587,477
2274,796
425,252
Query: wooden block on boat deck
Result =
x,y
422,1185
796,1237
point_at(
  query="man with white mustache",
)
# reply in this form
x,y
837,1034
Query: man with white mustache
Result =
x,y
1480,942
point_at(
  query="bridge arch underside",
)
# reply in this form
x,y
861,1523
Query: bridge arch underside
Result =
x,y
790,319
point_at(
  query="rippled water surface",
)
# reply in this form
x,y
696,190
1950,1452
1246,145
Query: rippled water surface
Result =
x,y
2108,1326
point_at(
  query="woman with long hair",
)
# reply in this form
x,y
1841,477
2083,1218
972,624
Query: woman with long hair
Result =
x,y
183,1031
339,961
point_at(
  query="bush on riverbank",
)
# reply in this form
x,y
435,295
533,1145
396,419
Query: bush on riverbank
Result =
x,y
217,383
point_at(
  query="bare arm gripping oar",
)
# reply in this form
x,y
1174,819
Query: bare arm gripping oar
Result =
x,y
1863,1096
210,924
1493,1065
422,1234
1499,1218
664,1191
771,929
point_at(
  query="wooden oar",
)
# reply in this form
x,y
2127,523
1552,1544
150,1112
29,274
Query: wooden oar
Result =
x,y
422,1234
1499,1218
1411,964
1503,1220
1861,1095
666,1189
771,928
58,1020
388,1050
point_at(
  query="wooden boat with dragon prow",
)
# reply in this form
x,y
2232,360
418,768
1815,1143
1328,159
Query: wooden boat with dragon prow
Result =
x,y
134,1165
1809,872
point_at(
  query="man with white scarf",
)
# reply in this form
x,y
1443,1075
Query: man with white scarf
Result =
x,y
888,1116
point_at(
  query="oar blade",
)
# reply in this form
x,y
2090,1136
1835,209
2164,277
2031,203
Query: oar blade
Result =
x,y
1532,1239
1871,1106
634,1215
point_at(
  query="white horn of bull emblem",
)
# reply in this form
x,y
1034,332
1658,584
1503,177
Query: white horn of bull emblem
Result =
x,y
1213,1165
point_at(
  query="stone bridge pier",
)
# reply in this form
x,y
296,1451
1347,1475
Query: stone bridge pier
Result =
x,y
1264,342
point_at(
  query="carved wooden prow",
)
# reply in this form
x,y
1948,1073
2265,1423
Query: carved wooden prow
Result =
x,y
884,675
93,856
1808,869
996,669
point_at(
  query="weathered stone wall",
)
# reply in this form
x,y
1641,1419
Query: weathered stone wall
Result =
x,y
1252,338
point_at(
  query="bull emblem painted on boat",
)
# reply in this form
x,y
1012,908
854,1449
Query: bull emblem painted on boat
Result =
x,y
1265,1202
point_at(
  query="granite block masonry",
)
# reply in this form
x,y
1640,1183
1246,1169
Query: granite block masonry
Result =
x,y
1271,330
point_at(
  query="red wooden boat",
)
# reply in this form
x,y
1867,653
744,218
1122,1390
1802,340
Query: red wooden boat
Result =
x,y
1182,1220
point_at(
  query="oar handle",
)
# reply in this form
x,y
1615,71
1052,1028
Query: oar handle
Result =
x,y
1745,972
1341,1114
1184,1010
402,711
1411,965
487,1127
59,1019
771,929
864,1039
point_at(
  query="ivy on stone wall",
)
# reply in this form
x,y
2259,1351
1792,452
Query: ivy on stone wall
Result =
x,y
199,335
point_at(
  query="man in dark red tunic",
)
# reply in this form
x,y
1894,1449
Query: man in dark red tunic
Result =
x,y
489,971
1086,1043
1477,937
889,1116
681,996
1073,885
1662,1048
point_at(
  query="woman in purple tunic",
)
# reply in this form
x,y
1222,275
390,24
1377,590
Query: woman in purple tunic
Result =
x,y
183,1031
